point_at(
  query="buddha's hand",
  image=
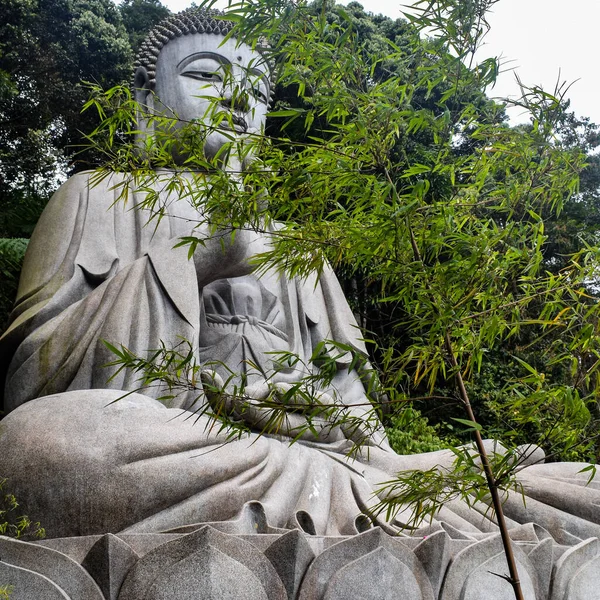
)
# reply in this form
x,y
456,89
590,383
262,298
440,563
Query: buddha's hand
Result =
x,y
277,409
229,253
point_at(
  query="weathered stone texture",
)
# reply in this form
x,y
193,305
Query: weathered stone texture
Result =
x,y
208,564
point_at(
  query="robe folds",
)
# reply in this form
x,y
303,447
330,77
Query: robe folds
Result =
x,y
98,269
85,460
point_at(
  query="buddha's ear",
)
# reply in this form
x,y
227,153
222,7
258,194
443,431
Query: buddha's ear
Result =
x,y
141,85
145,105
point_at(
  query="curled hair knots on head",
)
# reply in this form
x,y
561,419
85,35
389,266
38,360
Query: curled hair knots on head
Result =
x,y
192,20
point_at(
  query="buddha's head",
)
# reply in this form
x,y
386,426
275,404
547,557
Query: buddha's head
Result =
x,y
188,70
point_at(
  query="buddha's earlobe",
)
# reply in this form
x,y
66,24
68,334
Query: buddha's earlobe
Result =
x,y
144,98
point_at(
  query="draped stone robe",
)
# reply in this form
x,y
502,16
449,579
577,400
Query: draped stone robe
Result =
x,y
96,270
82,461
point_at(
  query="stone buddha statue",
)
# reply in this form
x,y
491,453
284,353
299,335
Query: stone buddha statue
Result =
x,y
88,451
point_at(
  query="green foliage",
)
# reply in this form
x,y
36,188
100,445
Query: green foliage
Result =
x,y
527,408
12,522
12,252
423,492
47,48
18,216
299,411
412,186
410,433
455,241
6,591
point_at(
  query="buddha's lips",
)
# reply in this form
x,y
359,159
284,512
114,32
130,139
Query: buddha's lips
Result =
x,y
239,124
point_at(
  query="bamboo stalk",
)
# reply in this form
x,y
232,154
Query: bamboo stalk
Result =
x,y
487,469
489,475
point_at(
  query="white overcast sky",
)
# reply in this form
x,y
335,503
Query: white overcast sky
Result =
x,y
544,41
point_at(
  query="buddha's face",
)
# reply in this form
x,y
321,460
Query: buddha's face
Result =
x,y
223,84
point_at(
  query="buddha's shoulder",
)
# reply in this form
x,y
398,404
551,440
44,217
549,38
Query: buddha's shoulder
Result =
x,y
91,179
67,209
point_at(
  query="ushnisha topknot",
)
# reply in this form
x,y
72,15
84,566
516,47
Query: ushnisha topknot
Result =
x,y
192,20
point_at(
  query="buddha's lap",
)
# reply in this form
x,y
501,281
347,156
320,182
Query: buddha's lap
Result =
x,y
90,461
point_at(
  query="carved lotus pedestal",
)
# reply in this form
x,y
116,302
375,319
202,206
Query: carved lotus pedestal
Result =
x,y
215,562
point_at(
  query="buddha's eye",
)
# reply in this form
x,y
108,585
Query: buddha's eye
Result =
x,y
204,69
202,75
